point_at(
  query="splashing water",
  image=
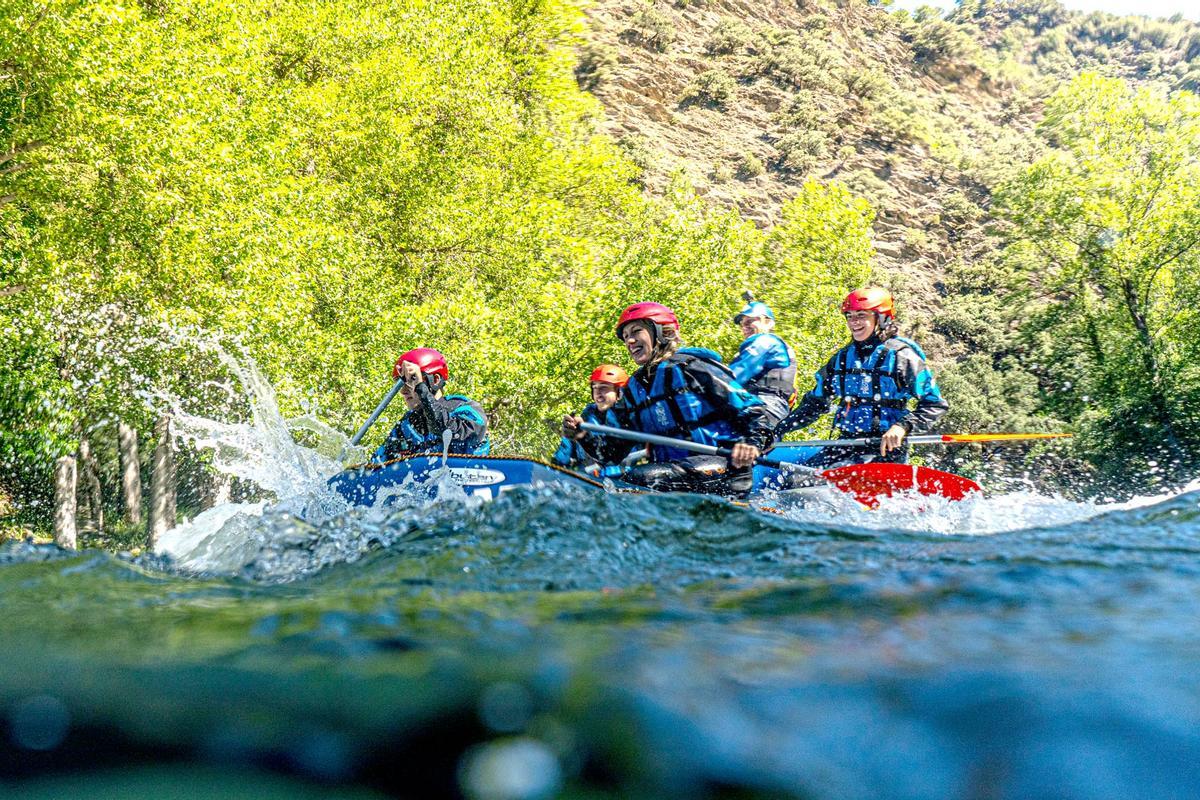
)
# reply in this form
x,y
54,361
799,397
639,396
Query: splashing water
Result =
x,y
291,534
596,644
307,527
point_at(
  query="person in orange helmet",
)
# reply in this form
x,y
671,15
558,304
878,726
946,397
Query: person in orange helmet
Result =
x,y
873,379
607,383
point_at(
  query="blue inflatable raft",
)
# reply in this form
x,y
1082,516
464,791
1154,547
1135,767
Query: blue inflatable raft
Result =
x,y
490,476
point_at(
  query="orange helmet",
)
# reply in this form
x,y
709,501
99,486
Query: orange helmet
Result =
x,y
870,298
610,373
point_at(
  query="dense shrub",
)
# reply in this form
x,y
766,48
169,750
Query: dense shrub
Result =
x,y
800,151
749,166
653,29
713,87
596,62
730,36
868,84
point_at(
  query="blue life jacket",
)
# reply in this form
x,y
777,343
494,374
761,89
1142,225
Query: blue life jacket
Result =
x,y
672,407
871,398
570,453
417,442
766,364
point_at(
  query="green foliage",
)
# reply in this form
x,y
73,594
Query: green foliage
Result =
x,y
730,36
822,247
330,184
869,84
750,166
801,64
712,87
1106,233
800,151
653,29
937,40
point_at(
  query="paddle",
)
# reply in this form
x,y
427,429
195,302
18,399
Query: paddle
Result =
x,y
379,409
867,482
933,438
683,444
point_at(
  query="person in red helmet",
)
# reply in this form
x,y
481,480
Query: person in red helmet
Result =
x,y
607,382
683,393
431,413
873,379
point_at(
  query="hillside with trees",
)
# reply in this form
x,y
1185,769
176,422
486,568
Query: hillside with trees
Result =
x,y
325,185
941,124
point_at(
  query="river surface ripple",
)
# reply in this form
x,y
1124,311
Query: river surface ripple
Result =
x,y
590,645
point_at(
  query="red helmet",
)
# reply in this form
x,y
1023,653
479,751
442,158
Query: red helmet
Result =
x,y
429,360
653,312
610,373
871,298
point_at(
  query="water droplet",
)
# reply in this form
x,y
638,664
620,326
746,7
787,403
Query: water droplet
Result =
x,y
516,769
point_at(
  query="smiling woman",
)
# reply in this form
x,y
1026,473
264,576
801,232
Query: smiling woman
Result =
x,y
873,379
683,393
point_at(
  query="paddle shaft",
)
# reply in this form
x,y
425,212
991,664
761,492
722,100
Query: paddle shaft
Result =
x,y
379,409
932,438
682,444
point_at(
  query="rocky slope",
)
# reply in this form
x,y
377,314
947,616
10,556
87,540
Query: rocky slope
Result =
x,y
748,99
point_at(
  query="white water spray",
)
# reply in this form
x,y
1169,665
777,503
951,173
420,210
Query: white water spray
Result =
x,y
306,525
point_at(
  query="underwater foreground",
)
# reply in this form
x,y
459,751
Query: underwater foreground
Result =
x,y
585,645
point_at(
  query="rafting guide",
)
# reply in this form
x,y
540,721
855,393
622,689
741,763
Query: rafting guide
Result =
x,y
765,364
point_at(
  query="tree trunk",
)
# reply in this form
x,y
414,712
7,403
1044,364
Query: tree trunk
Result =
x,y
93,493
162,482
218,488
1158,399
131,476
64,502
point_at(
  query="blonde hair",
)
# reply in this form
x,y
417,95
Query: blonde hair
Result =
x,y
666,345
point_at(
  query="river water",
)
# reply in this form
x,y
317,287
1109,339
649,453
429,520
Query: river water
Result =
x,y
588,645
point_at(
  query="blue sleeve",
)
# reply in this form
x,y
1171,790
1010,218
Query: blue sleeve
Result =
x,y
562,456
916,376
759,353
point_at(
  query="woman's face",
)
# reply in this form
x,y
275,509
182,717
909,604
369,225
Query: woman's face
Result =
x,y
604,395
639,341
861,324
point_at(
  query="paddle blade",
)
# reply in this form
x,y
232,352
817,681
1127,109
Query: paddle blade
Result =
x,y
869,482
1000,437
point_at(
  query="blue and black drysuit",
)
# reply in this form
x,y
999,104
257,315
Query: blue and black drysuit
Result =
x,y
766,366
872,382
571,454
690,395
421,429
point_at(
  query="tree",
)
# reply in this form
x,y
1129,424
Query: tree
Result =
x,y
1105,228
